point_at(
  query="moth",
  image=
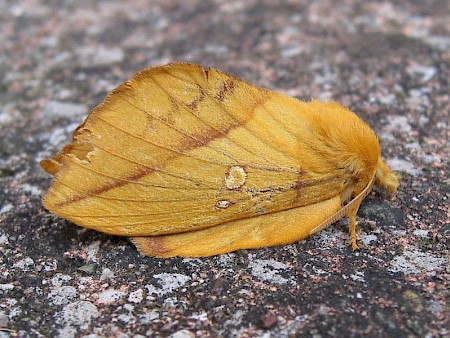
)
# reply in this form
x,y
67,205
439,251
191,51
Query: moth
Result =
x,y
193,162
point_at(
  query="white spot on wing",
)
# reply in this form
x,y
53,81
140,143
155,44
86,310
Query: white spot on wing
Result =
x,y
222,204
235,177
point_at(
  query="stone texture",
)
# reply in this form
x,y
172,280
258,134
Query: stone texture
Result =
x,y
388,61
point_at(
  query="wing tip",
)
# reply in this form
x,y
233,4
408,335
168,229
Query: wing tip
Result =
x,y
151,246
50,166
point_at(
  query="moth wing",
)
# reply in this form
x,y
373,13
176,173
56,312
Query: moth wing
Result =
x,y
278,228
177,148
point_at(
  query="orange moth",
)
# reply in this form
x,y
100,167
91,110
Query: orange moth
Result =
x,y
193,162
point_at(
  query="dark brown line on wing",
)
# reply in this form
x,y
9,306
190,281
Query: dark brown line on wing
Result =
x,y
136,176
196,141
260,103
198,138
176,151
190,145
197,100
223,109
208,197
155,170
226,88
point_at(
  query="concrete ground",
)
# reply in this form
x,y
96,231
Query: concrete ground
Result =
x,y
388,61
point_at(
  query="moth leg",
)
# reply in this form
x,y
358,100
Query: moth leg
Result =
x,y
351,216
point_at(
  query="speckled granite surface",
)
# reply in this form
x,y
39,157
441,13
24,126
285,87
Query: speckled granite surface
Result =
x,y
387,61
